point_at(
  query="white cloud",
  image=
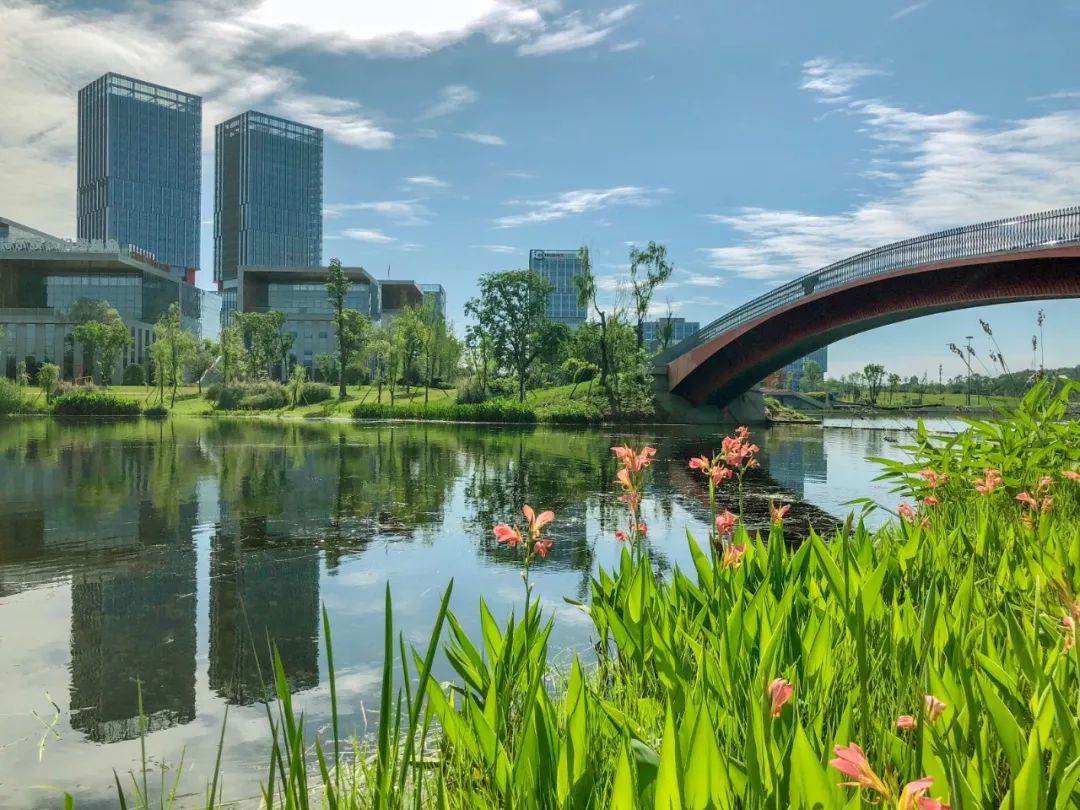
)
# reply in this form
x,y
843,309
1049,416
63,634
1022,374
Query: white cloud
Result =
x,y
368,235
340,118
938,170
911,9
580,201
498,248
453,98
426,181
573,32
832,81
619,47
485,138
405,212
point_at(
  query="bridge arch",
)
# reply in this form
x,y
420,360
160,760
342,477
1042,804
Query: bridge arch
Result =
x,y
1034,257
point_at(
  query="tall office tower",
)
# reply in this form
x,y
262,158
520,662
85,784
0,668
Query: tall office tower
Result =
x,y
268,196
558,268
140,168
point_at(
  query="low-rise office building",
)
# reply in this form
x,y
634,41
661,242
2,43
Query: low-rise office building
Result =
x,y
43,278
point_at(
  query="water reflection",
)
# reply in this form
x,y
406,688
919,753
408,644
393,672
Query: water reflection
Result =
x,y
178,548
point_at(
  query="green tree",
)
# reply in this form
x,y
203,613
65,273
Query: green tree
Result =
x,y
512,310
874,374
232,353
812,378
171,352
48,377
104,341
649,269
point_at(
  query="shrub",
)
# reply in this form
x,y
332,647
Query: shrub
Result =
x,y
134,374
94,403
313,392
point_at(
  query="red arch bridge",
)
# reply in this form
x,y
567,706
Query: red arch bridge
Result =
x,y
1032,257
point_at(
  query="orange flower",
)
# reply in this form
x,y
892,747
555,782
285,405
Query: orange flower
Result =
x,y
934,707
780,692
1027,499
906,722
508,534
542,547
725,523
1072,475
851,761
733,555
778,512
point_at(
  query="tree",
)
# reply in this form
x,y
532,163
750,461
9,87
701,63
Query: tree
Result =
x,y
512,310
585,282
231,349
874,374
649,269
171,351
48,377
104,341
812,378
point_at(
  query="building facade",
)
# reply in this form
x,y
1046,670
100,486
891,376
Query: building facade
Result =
x,y
655,332
43,282
559,268
140,169
268,197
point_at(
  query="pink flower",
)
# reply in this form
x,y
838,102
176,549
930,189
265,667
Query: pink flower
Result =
x,y
1072,475
733,555
725,523
780,692
906,722
508,534
542,547
930,500
851,761
933,478
934,707
1027,499
778,512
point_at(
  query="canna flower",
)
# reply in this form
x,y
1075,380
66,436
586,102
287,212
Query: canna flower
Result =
x,y
913,796
733,555
725,523
780,692
542,547
1027,499
906,722
778,512
933,479
1047,503
934,707
508,534
1069,623
851,761
930,500
990,482
1072,475
621,536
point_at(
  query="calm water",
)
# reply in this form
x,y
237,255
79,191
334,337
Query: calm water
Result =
x,y
168,551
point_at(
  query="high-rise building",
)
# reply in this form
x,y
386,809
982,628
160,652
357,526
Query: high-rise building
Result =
x,y
268,196
140,169
558,268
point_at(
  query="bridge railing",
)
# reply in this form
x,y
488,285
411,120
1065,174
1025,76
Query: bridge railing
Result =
x,y
1061,226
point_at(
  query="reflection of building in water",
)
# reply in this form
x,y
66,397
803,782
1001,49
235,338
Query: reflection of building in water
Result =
x,y
261,594
134,622
793,456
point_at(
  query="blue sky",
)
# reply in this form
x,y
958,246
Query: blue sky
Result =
x,y
757,141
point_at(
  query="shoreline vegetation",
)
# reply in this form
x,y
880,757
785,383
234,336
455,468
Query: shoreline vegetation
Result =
x,y
929,664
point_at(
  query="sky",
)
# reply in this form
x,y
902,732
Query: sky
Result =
x,y
757,141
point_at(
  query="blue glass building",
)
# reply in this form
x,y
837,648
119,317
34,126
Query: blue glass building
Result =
x,y
558,268
268,196
140,168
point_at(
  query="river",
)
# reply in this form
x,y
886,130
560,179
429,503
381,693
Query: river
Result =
x,y
167,551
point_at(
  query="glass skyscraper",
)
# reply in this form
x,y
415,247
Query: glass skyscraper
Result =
x,y
558,268
268,196
140,168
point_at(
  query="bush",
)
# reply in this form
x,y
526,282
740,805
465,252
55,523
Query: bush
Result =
x,y
94,403
12,398
313,392
134,374
493,411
